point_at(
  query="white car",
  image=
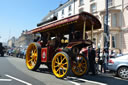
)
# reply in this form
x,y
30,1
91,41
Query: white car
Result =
x,y
119,65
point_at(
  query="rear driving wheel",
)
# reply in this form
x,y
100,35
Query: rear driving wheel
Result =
x,y
33,56
80,65
60,65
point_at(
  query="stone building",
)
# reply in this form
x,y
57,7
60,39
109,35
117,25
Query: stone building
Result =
x,y
24,40
11,42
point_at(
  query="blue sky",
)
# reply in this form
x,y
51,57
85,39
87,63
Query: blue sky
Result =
x,y
18,15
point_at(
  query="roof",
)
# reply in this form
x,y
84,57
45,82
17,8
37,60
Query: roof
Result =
x,y
54,11
63,24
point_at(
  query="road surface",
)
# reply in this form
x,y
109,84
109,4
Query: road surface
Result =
x,y
13,71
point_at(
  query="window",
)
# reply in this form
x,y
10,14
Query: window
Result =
x,y
63,12
114,20
110,3
70,8
81,2
93,7
81,10
56,15
69,14
92,0
113,42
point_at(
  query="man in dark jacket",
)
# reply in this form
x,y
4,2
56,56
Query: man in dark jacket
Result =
x,y
91,56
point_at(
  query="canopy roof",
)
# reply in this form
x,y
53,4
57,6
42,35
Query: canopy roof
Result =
x,y
63,25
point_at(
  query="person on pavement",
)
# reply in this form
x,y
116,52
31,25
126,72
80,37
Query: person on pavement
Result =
x,y
91,56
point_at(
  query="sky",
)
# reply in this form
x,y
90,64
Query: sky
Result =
x,y
19,15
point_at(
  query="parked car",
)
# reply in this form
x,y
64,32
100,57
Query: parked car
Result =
x,y
22,53
10,52
119,65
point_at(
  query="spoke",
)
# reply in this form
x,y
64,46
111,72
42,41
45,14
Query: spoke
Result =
x,y
82,60
56,66
74,67
127,71
32,52
57,59
35,54
30,60
56,62
81,70
58,69
121,72
34,61
64,68
78,62
62,60
31,56
65,63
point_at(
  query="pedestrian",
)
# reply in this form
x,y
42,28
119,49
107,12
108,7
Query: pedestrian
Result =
x,y
97,59
101,61
91,56
104,64
119,53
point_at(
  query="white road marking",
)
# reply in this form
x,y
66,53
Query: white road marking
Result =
x,y
94,82
72,81
120,78
18,80
5,79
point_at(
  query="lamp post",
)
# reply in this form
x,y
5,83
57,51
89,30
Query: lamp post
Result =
x,y
106,32
74,7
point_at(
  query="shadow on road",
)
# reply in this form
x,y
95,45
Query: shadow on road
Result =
x,y
45,70
108,78
4,56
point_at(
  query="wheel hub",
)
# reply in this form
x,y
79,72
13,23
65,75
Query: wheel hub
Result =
x,y
124,73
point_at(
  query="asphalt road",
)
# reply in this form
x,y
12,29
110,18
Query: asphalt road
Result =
x,y
13,71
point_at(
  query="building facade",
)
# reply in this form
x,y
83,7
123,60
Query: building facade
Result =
x,y
24,40
117,19
11,42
